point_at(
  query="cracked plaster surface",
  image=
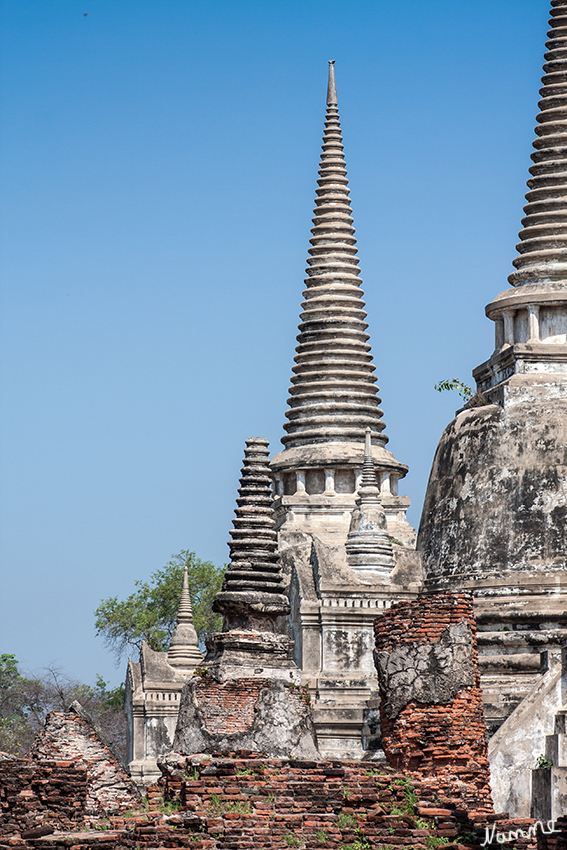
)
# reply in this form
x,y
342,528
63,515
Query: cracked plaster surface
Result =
x,y
426,672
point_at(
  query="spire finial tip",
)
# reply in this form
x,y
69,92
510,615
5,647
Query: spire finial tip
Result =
x,y
368,444
332,87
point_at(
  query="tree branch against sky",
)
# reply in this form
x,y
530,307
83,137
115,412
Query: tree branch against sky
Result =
x,y
25,702
150,612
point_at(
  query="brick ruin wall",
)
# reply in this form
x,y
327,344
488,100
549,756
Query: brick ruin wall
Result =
x,y
253,803
436,795
431,704
69,736
33,794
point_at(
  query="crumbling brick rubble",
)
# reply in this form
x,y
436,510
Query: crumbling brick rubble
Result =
x,y
431,703
71,737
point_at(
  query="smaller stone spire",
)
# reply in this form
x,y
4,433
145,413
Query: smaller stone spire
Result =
x,y
369,550
254,640
184,647
332,86
253,588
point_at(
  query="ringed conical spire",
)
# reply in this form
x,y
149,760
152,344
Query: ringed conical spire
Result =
x,y
543,240
368,546
254,578
184,647
333,397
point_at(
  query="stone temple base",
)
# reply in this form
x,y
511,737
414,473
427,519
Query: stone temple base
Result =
x,y
243,653
258,715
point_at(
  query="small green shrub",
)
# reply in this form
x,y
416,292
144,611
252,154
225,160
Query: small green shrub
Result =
x,y
292,840
410,798
321,836
424,824
346,821
359,844
169,807
454,384
434,841
220,806
192,774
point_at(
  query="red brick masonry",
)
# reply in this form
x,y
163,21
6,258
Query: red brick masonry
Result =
x,y
445,743
246,803
228,707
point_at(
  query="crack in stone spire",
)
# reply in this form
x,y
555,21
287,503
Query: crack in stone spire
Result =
x,y
543,240
333,397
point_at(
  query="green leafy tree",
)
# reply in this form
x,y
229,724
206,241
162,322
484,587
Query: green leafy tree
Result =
x,y
150,613
20,707
26,701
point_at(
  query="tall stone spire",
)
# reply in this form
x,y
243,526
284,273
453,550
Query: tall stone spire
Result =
x,y
369,550
333,397
184,647
531,320
543,245
321,499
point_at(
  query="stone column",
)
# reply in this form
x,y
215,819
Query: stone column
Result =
x,y
385,484
508,318
498,334
533,322
329,481
300,481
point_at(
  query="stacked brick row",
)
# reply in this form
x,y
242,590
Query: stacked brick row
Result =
x,y
223,803
32,794
275,803
443,744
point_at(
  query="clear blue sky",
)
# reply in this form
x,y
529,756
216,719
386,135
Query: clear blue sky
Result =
x,y
158,168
